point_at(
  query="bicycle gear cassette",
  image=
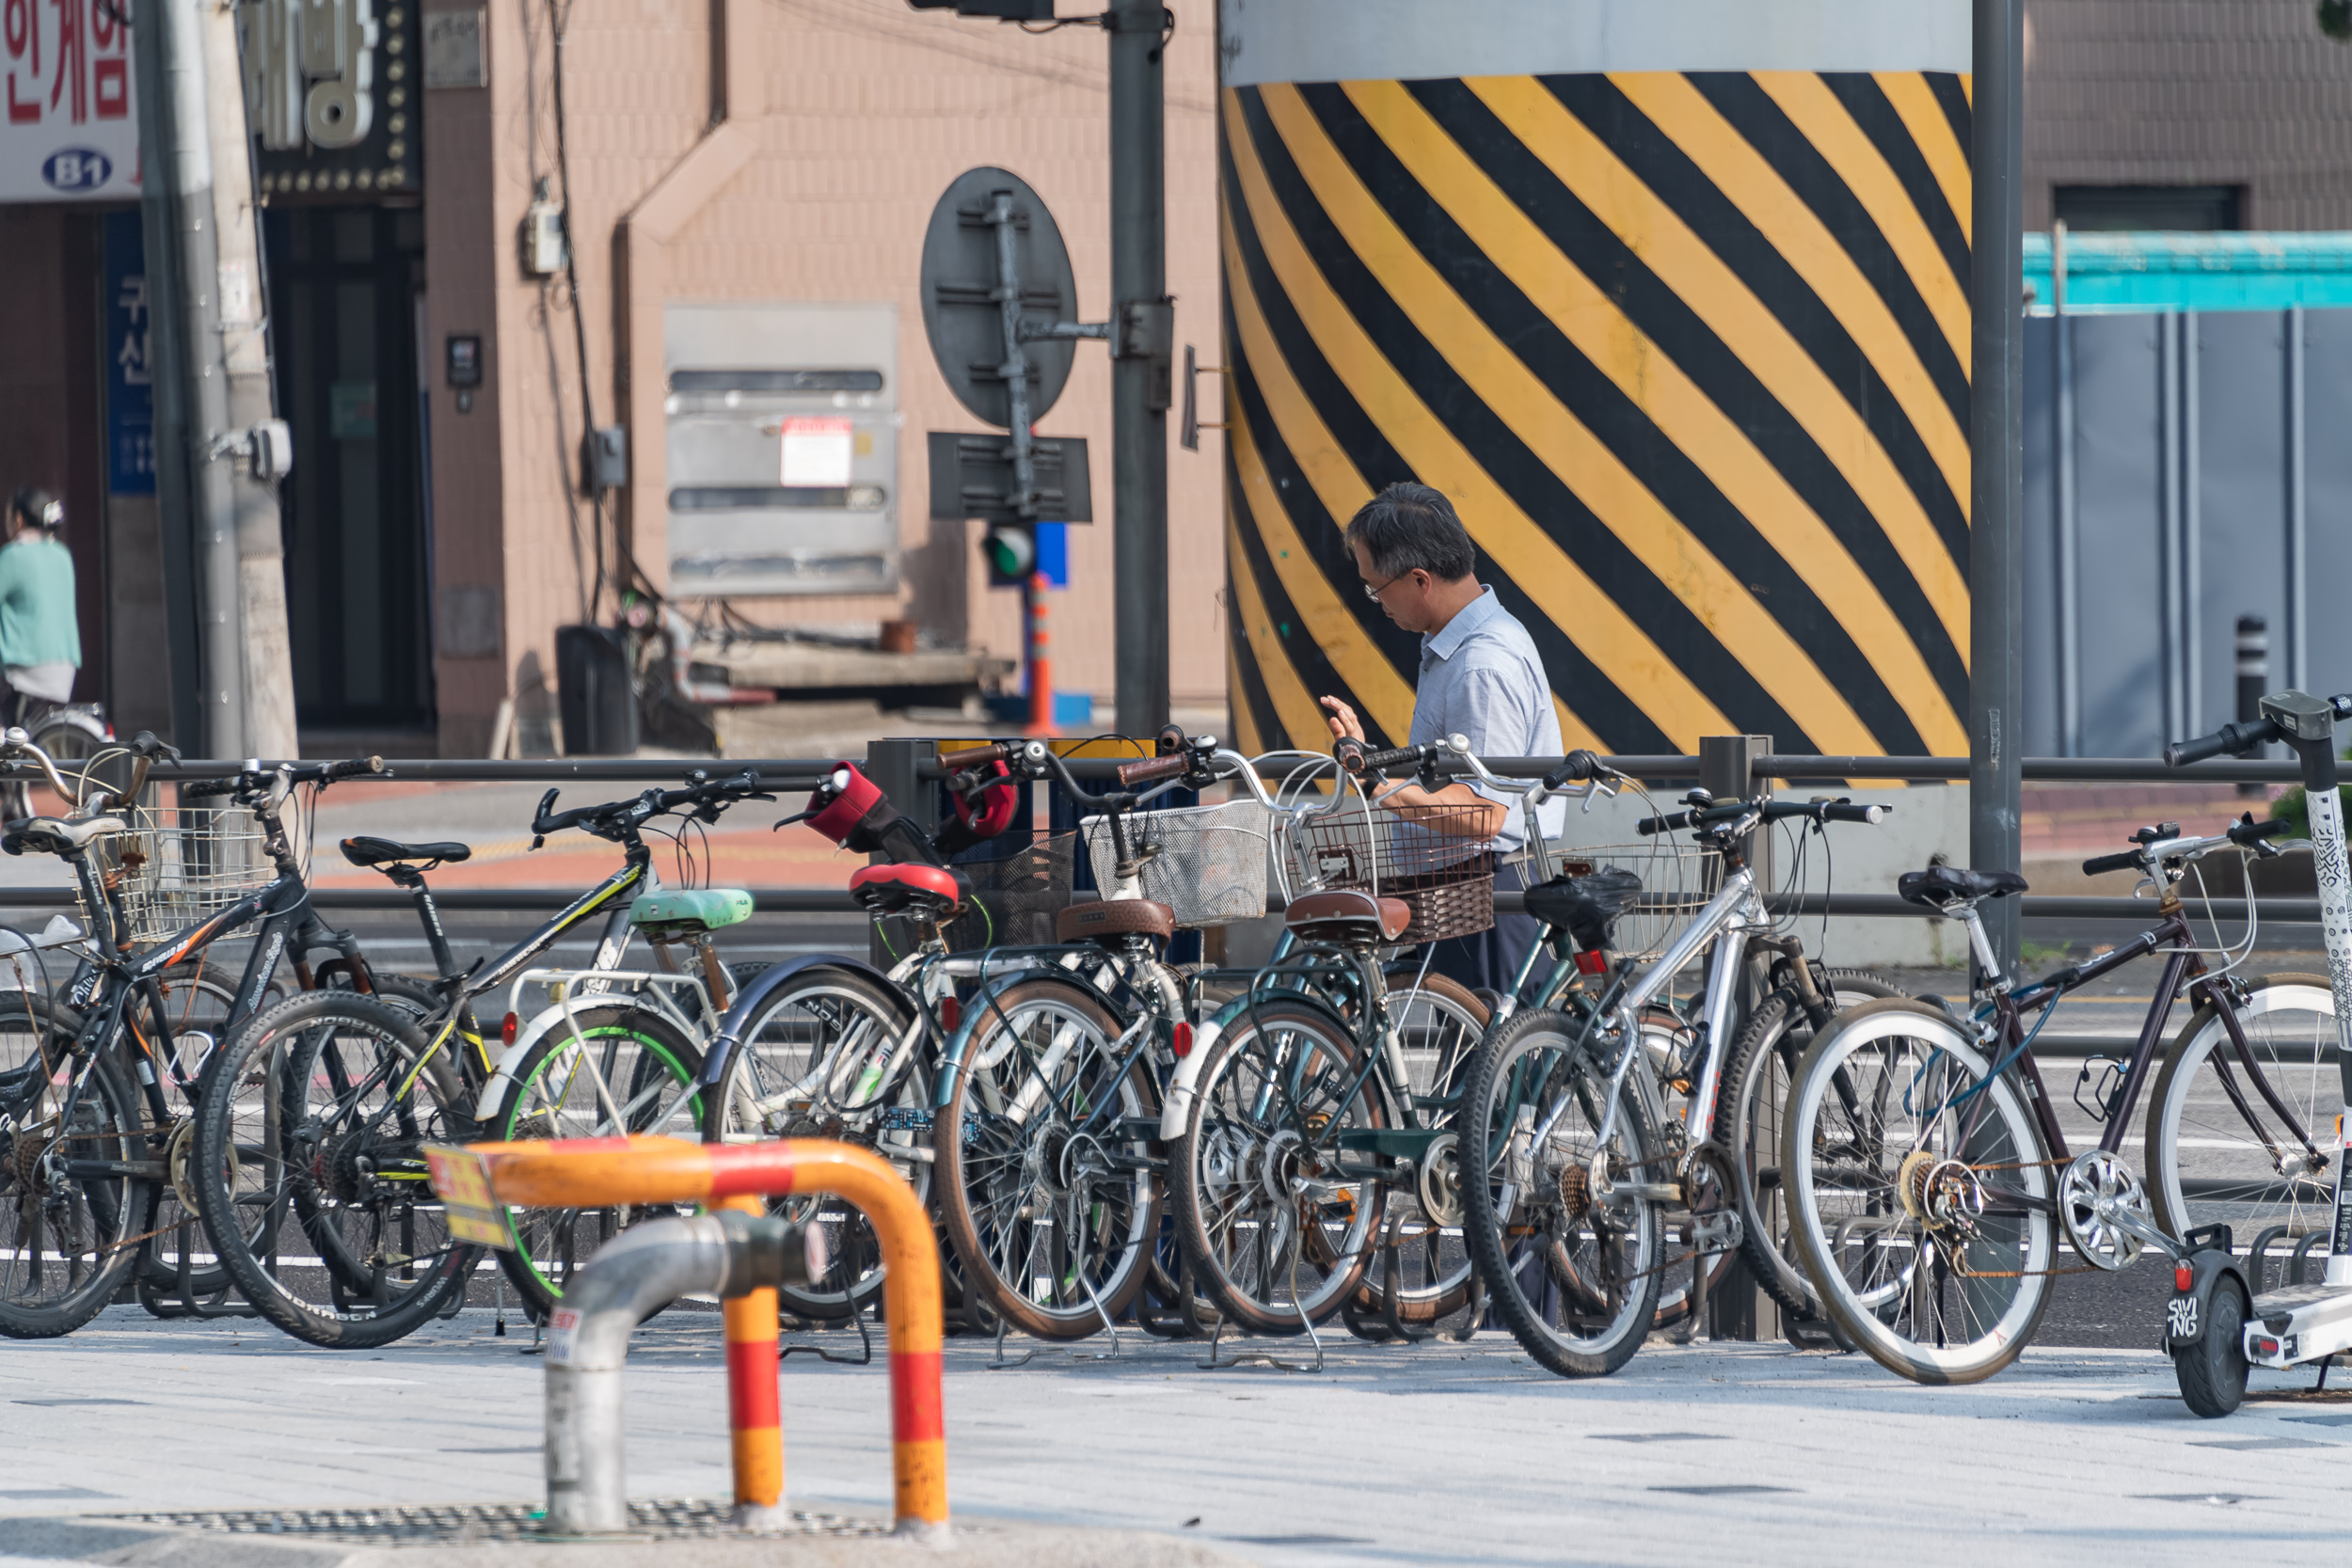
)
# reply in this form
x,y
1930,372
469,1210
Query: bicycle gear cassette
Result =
x,y
2104,1209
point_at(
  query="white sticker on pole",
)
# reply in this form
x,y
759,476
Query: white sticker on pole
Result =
x,y
562,1334
817,453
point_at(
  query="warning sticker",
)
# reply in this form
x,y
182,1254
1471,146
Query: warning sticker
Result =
x,y
462,1180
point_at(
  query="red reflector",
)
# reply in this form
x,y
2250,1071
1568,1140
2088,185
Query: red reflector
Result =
x,y
2266,1347
2183,1277
1183,1039
507,1029
950,1013
1592,962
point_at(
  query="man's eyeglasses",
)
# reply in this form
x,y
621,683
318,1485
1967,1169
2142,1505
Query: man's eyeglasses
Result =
x,y
1373,593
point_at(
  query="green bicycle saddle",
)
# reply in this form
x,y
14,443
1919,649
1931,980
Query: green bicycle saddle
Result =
x,y
683,911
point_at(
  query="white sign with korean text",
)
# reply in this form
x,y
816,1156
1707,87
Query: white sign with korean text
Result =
x,y
70,130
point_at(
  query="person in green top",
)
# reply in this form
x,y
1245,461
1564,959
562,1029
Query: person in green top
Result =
x,y
40,636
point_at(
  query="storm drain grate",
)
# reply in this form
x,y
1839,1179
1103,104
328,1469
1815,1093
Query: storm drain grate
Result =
x,y
658,1518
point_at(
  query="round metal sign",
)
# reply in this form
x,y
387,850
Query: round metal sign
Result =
x,y
961,311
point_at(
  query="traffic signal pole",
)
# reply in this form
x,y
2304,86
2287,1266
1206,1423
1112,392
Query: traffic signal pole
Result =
x,y
1141,366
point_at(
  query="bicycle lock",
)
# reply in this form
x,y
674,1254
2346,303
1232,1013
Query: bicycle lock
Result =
x,y
741,1255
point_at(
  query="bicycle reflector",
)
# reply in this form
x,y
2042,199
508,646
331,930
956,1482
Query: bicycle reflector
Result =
x,y
2183,1277
950,1014
508,1028
1184,1038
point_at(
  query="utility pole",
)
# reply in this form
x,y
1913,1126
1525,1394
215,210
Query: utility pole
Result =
x,y
1142,366
1996,435
242,347
195,438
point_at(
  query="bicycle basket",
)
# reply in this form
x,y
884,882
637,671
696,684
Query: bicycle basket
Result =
x,y
1674,882
180,865
1435,859
1208,863
1019,896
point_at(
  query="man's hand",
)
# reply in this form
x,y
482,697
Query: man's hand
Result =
x,y
1343,720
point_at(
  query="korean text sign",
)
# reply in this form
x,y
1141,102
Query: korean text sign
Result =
x,y
71,130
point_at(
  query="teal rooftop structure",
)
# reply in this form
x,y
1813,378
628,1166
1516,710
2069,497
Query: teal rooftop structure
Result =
x,y
2112,273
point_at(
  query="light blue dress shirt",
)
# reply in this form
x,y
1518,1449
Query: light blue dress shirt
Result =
x,y
1481,677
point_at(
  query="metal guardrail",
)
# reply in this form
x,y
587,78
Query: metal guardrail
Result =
x,y
789,773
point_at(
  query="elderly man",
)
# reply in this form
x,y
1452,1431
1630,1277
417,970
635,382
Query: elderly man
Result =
x,y
1480,677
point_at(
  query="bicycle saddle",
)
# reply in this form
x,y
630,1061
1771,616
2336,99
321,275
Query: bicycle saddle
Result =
x,y
54,835
383,851
896,888
1101,918
1348,917
1939,885
1588,907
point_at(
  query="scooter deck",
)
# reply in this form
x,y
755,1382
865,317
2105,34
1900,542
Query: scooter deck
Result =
x,y
2302,1323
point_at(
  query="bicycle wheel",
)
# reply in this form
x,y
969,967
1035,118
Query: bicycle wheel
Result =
x,y
1044,1173
2212,1129
349,1094
627,1070
815,1062
1748,1110
68,1239
1571,1248
1277,1218
1917,1193
1440,1022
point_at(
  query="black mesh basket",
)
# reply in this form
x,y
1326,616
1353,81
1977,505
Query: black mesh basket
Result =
x,y
1019,897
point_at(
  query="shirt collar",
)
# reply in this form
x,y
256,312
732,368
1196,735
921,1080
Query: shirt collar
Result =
x,y
1470,618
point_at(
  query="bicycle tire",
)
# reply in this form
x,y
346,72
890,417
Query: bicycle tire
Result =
x,y
2242,1185
99,1242
1905,1065
1747,1123
827,1010
550,1243
1541,1206
1229,1173
1013,1181
351,1094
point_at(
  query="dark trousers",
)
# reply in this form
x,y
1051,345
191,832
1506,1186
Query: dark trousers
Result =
x,y
1489,959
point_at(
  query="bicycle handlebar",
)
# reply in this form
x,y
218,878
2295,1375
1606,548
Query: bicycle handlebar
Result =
x,y
2248,832
1765,811
1153,769
288,773
613,816
2228,738
976,756
2099,866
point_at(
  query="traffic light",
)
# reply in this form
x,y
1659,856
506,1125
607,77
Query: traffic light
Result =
x,y
1011,549
1002,11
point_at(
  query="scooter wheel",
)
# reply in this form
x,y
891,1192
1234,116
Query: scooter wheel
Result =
x,y
2213,1370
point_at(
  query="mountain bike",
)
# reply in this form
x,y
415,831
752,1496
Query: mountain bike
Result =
x,y
88,1110
1577,1170
1929,1183
314,1122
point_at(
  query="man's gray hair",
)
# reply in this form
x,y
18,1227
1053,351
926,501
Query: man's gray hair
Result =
x,y
1409,527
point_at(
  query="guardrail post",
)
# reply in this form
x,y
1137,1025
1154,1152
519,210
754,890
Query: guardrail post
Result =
x,y
755,1404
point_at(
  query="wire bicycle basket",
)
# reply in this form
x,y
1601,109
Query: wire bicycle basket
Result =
x,y
1433,857
1208,863
1018,897
1677,879
180,865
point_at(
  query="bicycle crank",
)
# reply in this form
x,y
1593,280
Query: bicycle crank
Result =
x,y
1439,1181
2104,1209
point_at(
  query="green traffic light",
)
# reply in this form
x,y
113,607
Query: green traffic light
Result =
x,y
1011,552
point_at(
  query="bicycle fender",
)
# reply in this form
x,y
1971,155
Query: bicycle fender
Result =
x,y
764,985
504,1077
2187,1311
979,1009
1185,1086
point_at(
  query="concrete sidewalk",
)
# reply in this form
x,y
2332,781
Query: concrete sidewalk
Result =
x,y
1436,1453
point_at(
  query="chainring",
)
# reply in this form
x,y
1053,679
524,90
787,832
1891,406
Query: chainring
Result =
x,y
2092,1192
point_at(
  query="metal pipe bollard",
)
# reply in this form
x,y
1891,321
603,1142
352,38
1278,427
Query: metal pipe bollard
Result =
x,y
732,1254
602,1172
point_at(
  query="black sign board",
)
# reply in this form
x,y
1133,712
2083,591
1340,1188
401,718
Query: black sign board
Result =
x,y
972,477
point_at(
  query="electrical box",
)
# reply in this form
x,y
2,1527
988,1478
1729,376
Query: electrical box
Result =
x,y
782,441
605,464
543,252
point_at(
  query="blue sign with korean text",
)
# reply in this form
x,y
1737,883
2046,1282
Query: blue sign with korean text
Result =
x,y
130,373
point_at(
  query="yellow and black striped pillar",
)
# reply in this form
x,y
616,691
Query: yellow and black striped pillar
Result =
x,y
1669,296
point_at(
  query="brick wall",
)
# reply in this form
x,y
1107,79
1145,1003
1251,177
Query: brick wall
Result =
x,y
2190,92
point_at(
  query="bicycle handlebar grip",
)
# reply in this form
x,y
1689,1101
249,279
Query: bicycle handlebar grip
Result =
x,y
2100,865
1390,758
2251,832
356,767
203,789
2228,738
1153,769
1576,768
540,823
973,756
145,744
1845,811
1667,824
